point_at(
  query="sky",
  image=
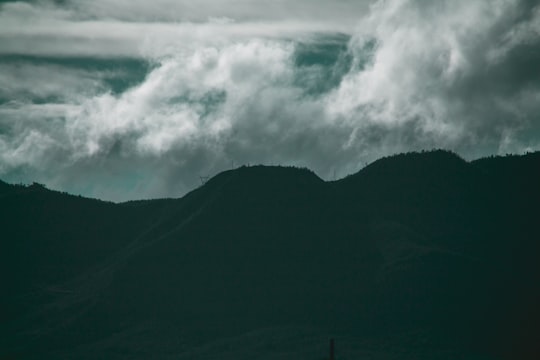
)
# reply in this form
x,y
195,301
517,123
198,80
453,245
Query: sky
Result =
x,y
121,100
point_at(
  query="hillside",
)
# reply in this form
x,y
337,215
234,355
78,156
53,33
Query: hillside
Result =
x,y
419,255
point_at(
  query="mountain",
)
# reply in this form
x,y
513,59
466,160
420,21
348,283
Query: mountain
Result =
x,y
418,255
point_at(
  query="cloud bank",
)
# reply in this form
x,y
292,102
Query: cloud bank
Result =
x,y
126,101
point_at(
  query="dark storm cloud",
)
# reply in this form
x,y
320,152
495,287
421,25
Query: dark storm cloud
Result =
x,y
137,101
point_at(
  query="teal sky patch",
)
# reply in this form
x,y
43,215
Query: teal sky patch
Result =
x,y
321,64
115,74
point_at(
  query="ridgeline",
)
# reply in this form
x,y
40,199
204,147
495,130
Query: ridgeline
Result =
x,y
418,255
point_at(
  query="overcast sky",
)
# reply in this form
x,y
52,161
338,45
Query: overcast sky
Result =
x,y
134,99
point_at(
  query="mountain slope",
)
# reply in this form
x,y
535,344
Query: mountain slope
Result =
x,y
421,254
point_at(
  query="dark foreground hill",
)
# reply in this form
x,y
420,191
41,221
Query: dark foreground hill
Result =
x,y
417,256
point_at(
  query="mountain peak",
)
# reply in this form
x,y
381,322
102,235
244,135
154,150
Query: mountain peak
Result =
x,y
266,176
413,165
425,158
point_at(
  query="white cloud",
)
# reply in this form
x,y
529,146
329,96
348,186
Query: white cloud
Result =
x,y
425,54
106,28
336,11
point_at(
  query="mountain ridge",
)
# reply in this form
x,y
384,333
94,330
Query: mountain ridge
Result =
x,y
393,249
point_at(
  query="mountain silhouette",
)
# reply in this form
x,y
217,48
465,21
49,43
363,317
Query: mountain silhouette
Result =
x,y
418,255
